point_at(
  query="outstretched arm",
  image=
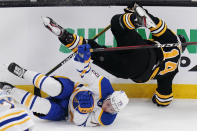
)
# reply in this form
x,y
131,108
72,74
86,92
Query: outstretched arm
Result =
x,y
82,60
82,63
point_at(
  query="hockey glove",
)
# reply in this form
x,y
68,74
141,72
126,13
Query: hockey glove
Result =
x,y
84,102
83,54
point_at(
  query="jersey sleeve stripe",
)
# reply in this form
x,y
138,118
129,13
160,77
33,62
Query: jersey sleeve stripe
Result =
x,y
127,21
85,72
158,26
12,119
32,103
42,82
79,43
100,91
24,97
75,43
162,32
99,118
38,79
61,77
35,78
163,103
29,98
18,123
11,114
164,96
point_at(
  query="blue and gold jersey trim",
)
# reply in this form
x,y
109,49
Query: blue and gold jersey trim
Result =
x,y
100,91
28,100
38,80
13,119
106,118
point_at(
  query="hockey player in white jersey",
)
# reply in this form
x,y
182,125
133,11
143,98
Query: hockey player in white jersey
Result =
x,y
12,118
92,105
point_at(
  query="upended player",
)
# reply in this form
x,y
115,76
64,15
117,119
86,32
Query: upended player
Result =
x,y
92,105
139,65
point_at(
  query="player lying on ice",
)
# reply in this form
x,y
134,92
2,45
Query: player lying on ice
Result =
x,y
138,65
12,118
92,105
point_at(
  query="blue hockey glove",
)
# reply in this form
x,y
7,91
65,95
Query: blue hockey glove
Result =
x,y
84,102
83,54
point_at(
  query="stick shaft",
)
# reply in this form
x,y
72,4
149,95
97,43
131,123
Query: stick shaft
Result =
x,y
104,30
60,64
119,49
141,47
37,90
73,54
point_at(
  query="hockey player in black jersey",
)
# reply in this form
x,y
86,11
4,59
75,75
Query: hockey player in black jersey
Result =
x,y
138,65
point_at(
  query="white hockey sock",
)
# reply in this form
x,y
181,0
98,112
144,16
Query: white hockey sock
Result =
x,y
47,84
32,102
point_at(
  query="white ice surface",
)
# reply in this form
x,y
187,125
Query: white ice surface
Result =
x,y
139,115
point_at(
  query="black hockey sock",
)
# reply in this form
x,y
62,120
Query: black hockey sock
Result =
x,y
71,41
66,37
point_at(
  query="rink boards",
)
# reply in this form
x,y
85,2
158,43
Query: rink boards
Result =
x,y
180,91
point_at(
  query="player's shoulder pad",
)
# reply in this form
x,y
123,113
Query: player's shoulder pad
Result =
x,y
105,87
106,118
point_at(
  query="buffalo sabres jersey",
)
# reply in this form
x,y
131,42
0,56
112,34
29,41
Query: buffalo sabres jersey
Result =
x,y
101,88
13,118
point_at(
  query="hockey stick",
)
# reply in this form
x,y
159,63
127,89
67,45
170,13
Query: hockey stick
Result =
x,y
37,90
141,47
60,64
121,48
99,34
73,54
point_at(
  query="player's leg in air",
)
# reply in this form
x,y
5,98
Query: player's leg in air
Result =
x,y
169,64
71,41
55,107
118,64
121,64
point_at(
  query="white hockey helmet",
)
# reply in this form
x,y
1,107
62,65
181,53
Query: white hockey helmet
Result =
x,y
118,100
6,101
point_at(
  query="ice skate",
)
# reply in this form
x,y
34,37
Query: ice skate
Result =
x,y
64,36
16,70
50,24
143,19
130,8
